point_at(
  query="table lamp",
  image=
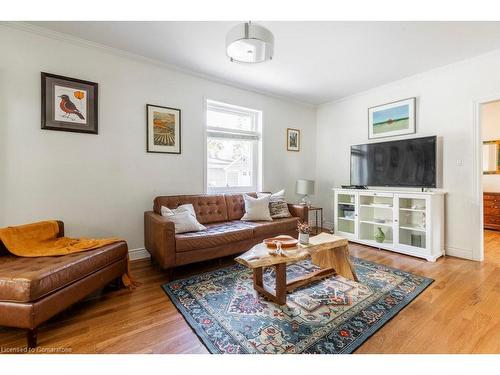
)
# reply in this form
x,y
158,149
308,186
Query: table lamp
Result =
x,y
305,188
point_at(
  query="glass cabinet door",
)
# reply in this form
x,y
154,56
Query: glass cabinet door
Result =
x,y
346,213
413,221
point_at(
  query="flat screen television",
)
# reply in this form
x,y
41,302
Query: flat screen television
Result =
x,y
404,163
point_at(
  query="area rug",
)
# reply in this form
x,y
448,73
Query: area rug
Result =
x,y
335,315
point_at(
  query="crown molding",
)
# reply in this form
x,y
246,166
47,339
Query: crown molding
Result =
x,y
62,37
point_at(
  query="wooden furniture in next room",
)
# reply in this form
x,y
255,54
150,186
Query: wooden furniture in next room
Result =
x,y
491,210
327,251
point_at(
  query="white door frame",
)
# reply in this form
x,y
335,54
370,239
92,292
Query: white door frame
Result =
x,y
477,172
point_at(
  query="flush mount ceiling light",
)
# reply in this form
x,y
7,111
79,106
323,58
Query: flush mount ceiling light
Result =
x,y
249,43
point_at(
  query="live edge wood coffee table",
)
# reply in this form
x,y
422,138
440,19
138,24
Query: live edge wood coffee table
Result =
x,y
326,251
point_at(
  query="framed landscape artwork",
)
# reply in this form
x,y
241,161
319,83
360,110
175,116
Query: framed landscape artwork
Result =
x,y
164,129
293,139
69,104
392,119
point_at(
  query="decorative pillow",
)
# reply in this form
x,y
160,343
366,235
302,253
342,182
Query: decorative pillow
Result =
x,y
257,209
184,218
277,205
183,207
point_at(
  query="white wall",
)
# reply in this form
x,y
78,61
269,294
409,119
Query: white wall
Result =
x,y
490,131
445,107
99,185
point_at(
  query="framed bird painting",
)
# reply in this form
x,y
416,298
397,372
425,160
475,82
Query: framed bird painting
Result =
x,y
69,104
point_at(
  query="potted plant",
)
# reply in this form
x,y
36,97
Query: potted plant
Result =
x,y
304,232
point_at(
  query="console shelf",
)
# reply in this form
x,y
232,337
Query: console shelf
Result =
x,y
376,223
346,218
413,228
376,206
412,209
413,222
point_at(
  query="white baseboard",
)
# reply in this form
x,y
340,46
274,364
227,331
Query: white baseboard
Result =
x,y
459,253
141,253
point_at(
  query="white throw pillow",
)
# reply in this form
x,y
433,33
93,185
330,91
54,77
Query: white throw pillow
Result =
x,y
277,205
257,209
183,207
184,218
279,195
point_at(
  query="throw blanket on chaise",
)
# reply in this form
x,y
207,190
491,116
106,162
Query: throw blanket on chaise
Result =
x,y
41,240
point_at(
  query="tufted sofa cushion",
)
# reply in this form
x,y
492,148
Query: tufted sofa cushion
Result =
x,y
272,228
28,279
208,208
216,234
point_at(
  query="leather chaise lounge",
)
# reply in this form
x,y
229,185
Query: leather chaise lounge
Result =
x,y
225,235
32,290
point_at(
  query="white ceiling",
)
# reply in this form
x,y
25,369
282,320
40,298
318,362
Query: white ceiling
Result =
x,y
314,62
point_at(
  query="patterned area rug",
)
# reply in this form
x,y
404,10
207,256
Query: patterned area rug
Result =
x,y
335,315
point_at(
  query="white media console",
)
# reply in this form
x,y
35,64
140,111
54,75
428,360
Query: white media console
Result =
x,y
412,222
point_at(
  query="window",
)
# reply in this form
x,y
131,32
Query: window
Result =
x,y
233,148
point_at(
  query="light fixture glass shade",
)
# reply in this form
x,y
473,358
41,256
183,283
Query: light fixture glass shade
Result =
x,y
305,187
250,43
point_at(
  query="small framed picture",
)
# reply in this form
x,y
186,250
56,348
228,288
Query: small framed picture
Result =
x,y
293,139
164,129
69,104
392,119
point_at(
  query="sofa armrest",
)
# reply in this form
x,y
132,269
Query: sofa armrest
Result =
x,y
299,210
159,238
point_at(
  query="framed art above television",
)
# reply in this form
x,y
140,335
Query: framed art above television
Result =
x,y
392,119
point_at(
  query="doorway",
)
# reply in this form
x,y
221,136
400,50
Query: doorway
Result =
x,y
489,115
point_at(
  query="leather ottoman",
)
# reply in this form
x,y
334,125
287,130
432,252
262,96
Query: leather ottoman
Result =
x,y
32,290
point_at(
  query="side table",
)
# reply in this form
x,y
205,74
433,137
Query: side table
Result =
x,y
317,210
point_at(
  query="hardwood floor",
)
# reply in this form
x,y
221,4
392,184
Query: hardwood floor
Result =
x,y
458,313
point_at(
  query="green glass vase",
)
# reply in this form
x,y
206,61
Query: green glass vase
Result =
x,y
379,236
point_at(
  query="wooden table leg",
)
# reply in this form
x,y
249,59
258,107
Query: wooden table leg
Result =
x,y
351,266
257,277
281,284
348,268
278,295
337,258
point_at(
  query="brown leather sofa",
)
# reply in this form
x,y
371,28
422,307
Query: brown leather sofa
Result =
x,y
32,290
225,235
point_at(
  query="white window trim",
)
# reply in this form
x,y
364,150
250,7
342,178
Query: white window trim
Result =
x,y
225,133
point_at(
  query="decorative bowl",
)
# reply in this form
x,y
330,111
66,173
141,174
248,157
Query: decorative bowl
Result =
x,y
286,242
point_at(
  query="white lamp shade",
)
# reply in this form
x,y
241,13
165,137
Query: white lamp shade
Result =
x,y
305,187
